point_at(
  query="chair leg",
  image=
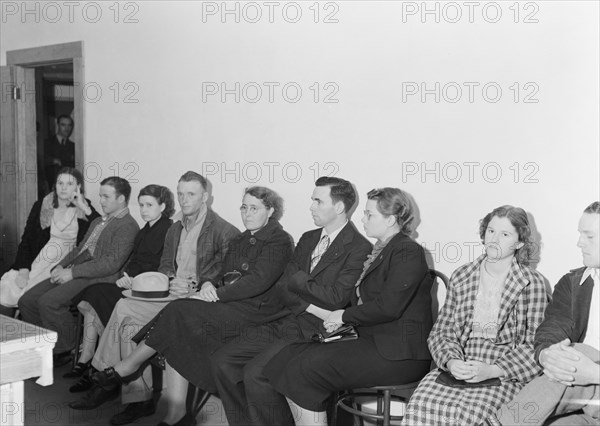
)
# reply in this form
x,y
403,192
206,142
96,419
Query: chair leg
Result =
x,y
387,396
157,381
332,409
379,406
358,421
196,399
78,338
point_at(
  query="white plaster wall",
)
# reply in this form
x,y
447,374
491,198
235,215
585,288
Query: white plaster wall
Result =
x,y
371,136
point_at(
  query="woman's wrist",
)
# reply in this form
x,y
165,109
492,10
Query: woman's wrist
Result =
x,y
496,371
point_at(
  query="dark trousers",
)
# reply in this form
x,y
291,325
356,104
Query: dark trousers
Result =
x,y
246,394
47,305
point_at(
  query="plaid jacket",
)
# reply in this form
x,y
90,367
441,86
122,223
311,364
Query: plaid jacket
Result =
x,y
522,307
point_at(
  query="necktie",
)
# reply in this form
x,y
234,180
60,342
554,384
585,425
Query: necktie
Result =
x,y
319,251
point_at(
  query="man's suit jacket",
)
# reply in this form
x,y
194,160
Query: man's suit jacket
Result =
x,y
396,296
54,150
567,314
331,283
65,153
113,248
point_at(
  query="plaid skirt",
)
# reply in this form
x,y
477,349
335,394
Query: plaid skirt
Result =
x,y
437,404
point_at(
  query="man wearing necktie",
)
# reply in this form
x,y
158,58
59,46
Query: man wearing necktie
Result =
x,y
567,345
320,278
59,151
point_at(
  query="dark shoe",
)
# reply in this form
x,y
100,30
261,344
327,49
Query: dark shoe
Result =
x,y
84,384
63,358
109,377
95,398
79,370
134,411
186,420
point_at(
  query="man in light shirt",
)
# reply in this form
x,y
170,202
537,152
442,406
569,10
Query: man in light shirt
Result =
x,y
194,250
567,345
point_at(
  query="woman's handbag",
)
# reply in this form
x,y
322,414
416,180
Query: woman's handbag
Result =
x,y
342,334
447,379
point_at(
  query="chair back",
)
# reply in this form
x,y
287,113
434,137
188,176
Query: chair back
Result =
x,y
438,292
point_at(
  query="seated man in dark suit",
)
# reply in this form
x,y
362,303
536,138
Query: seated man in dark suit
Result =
x,y
567,345
320,278
98,258
59,150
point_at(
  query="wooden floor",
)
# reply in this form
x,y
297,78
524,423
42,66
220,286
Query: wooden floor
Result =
x,y
49,406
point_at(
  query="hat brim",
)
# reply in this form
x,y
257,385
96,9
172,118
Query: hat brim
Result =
x,y
169,298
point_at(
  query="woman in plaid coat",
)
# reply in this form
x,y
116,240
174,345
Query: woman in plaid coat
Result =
x,y
485,329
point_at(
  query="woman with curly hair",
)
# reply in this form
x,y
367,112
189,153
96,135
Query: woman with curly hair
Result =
x,y
482,341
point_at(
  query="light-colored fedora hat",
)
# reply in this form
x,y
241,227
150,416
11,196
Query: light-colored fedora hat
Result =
x,y
150,287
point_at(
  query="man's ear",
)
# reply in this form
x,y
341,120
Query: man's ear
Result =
x,y
339,207
205,197
121,199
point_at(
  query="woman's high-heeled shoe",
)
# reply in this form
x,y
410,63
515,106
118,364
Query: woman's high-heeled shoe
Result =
x,y
109,378
84,384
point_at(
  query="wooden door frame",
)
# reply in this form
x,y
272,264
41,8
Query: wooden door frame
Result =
x,y
53,54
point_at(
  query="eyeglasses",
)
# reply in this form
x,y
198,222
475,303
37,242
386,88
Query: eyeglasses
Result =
x,y
249,209
369,215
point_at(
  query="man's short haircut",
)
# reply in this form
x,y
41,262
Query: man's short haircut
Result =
x,y
340,189
68,117
121,186
593,208
190,176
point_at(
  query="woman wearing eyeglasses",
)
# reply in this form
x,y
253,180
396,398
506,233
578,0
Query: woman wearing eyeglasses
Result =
x,y
187,331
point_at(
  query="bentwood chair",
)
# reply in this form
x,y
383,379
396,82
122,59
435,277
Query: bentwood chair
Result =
x,y
383,395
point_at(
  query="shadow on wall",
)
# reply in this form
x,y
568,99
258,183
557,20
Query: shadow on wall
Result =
x,y
536,255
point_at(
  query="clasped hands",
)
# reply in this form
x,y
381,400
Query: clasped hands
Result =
x,y
471,371
60,275
333,321
570,366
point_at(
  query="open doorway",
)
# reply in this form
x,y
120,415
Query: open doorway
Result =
x,y
54,122
39,86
